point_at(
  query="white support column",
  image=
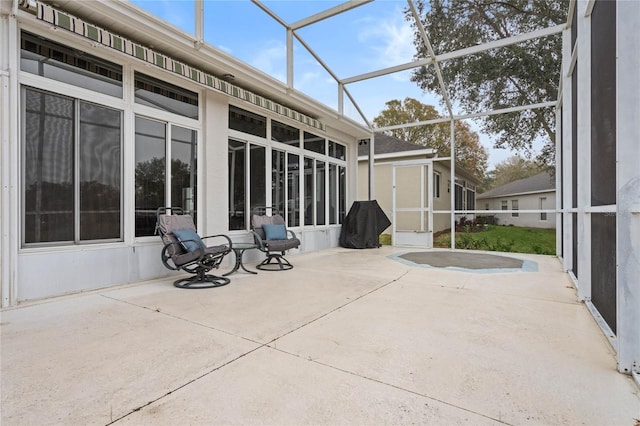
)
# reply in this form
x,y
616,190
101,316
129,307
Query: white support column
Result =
x,y
199,22
289,58
452,194
9,167
567,119
584,149
558,216
372,142
628,182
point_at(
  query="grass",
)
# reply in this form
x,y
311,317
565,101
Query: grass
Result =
x,y
385,239
503,238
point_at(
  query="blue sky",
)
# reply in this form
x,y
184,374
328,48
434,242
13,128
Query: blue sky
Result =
x,y
365,39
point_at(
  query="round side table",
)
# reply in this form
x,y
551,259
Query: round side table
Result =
x,y
238,250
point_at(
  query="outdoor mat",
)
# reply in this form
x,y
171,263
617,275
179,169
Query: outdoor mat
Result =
x,y
479,262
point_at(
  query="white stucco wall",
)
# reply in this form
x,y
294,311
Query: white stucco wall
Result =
x,y
525,202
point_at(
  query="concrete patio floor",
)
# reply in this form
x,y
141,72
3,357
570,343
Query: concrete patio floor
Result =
x,y
346,337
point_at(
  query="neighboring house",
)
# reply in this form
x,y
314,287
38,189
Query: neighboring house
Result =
x,y
533,193
422,196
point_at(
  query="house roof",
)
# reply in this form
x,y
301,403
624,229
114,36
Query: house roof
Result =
x,y
538,183
385,144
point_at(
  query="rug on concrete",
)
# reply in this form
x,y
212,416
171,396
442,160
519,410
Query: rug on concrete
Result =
x,y
442,259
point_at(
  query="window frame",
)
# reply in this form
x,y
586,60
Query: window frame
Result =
x,y
302,153
543,215
76,208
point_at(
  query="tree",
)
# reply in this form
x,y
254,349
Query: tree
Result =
x,y
513,168
470,154
520,74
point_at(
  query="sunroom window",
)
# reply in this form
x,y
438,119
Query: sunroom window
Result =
x,y
52,60
155,142
72,166
165,96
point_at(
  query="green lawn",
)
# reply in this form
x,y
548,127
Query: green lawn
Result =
x,y
503,238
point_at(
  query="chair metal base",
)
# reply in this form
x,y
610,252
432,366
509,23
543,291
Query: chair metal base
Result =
x,y
201,281
274,262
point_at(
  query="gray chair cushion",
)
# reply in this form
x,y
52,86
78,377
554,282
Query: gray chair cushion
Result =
x,y
167,224
273,245
282,245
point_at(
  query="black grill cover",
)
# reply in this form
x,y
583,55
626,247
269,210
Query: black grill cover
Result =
x,y
363,225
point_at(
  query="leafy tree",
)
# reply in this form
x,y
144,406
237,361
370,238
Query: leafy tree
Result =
x,y
513,168
151,182
519,74
470,153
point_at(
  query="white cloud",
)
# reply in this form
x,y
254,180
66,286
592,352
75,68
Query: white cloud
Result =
x,y
271,59
390,38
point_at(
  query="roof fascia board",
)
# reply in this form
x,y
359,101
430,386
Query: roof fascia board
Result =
x,y
518,193
400,154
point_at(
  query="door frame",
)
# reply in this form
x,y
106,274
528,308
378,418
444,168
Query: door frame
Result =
x,y
423,236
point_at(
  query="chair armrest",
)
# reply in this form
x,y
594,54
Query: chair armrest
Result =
x,y
220,236
258,240
293,234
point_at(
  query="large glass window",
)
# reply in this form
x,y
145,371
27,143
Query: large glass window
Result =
x,y
72,170
471,199
333,194
320,192
514,206
337,150
342,193
278,181
247,122
152,147
285,134
184,169
309,192
459,197
543,215
237,185
165,96
293,190
258,181
61,63
99,172
314,143
150,184
319,177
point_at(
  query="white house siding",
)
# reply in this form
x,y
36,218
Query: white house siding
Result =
x,y
529,201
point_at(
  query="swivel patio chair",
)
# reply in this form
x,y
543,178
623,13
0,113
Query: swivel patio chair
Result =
x,y
274,239
185,250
